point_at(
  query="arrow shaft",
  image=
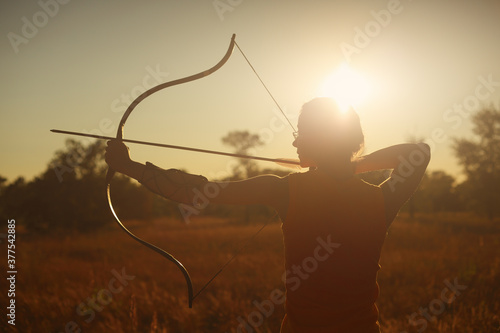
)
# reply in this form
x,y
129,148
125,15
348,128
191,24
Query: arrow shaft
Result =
x,y
163,145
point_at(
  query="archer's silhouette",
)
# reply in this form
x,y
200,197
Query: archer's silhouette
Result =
x,y
333,223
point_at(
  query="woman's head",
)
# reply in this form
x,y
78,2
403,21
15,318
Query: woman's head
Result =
x,y
326,134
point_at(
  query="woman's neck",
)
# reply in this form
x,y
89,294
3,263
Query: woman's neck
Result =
x,y
337,168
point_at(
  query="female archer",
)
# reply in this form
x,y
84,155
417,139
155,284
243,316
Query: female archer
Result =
x,y
326,208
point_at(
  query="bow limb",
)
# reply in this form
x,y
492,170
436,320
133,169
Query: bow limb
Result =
x,y
140,98
119,135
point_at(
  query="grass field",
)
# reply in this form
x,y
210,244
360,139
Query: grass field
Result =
x,y
420,259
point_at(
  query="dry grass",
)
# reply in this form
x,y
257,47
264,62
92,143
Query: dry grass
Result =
x,y
56,274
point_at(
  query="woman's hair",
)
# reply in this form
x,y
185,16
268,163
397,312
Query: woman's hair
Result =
x,y
341,130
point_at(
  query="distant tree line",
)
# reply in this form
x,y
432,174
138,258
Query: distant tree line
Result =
x,y
70,193
480,160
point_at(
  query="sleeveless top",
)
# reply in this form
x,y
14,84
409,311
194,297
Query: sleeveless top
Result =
x,y
333,234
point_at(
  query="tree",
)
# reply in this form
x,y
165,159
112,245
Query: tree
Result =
x,y
242,142
80,201
12,197
437,193
3,181
69,194
480,159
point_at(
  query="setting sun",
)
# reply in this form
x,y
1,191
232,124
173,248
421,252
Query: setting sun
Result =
x,y
346,86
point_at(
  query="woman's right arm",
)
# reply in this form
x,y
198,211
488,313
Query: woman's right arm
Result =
x,y
408,162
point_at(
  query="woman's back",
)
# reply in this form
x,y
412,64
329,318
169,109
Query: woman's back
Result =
x,y
333,234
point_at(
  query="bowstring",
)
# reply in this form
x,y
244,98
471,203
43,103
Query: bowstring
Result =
x,y
268,91
248,241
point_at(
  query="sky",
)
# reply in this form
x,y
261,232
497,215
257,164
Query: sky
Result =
x,y
76,65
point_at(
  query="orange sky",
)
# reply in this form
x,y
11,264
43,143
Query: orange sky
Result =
x,y
74,66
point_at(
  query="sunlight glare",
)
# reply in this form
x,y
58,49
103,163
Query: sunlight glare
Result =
x,y
346,86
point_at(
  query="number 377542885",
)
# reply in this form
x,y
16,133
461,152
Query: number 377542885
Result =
x,y
11,240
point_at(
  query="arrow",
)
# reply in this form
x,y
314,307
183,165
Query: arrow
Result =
x,y
282,161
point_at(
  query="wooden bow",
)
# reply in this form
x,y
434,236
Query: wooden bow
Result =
x,y
119,136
